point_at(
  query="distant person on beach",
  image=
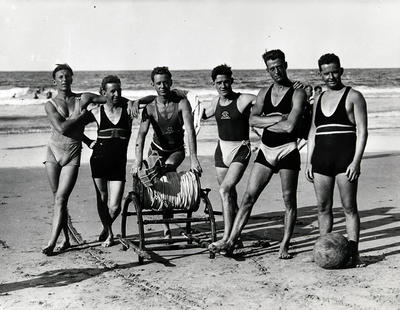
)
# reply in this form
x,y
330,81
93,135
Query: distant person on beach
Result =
x,y
108,160
309,93
68,115
317,91
233,152
167,113
336,145
277,110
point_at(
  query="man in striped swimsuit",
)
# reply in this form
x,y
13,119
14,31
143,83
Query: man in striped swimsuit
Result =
x,y
167,113
336,144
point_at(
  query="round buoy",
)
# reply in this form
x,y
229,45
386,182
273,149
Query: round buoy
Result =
x,y
331,251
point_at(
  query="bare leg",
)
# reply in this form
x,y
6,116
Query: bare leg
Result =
x,y
228,178
62,181
100,186
259,177
116,191
323,186
348,195
171,164
289,180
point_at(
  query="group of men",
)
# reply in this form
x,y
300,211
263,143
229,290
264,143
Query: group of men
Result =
x,y
336,143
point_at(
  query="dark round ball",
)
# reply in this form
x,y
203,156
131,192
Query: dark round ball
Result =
x,y
331,251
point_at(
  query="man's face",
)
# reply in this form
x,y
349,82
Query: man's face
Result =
x,y
162,84
63,80
113,92
277,69
331,75
223,85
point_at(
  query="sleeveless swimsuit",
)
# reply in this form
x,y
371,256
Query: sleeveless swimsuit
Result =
x,y
168,136
278,150
233,131
335,139
108,160
63,150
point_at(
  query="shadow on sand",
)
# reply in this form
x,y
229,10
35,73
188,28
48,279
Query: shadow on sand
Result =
x,y
60,277
263,233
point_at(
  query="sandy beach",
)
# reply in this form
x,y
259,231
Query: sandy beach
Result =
x,y
89,276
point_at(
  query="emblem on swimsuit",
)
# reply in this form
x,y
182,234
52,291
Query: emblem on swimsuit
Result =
x,y
225,115
169,130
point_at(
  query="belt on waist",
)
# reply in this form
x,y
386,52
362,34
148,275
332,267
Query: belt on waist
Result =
x,y
114,133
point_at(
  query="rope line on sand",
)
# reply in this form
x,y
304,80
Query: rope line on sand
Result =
x,y
76,236
134,279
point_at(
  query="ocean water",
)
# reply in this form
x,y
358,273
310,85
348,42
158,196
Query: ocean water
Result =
x,y
20,112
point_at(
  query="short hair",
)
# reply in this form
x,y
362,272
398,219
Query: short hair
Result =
x,y
223,69
273,54
109,79
317,88
60,67
328,59
160,70
308,86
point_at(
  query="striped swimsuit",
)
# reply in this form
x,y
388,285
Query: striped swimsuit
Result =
x,y
335,139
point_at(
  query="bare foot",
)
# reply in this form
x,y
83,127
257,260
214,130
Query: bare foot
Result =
x,y
217,245
108,242
103,235
284,252
356,262
239,244
48,250
227,249
64,246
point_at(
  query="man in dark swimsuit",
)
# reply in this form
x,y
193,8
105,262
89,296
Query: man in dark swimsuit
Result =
x,y
108,160
336,144
277,110
232,155
167,113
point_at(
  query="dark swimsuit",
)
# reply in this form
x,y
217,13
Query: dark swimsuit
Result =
x,y
108,159
281,147
168,135
335,140
233,132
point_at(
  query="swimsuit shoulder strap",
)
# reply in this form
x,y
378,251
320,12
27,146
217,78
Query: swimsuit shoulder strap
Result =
x,y
57,107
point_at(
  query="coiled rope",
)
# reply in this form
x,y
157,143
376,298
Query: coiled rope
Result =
x,y
174,190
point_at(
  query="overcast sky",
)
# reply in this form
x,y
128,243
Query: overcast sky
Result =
x,y
195,34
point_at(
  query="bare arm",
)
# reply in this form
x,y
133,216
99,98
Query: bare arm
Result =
x,y
256,120
209,110
90,98
360,117
61,124
310,146
139,146
288,125
187,116
245,100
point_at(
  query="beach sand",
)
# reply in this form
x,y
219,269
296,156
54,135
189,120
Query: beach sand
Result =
x,y
92,277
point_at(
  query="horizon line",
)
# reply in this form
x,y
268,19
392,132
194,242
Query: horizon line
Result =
x,y
172,70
